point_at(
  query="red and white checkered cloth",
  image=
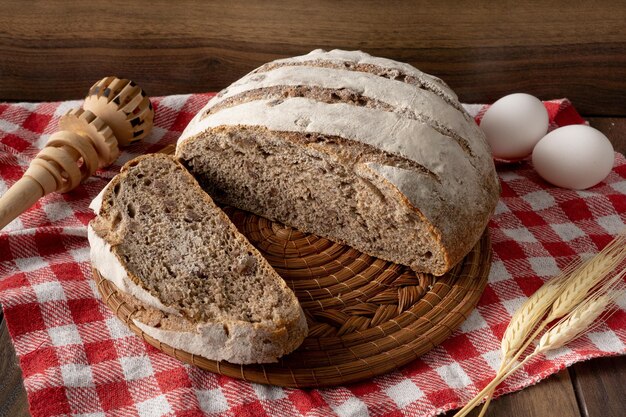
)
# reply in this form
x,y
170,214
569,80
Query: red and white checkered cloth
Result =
x,y
78,359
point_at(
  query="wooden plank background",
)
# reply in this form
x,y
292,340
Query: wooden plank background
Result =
x,y
484,49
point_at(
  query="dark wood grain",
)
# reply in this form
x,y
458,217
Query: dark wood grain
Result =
x,y
600,386
553,397
52,49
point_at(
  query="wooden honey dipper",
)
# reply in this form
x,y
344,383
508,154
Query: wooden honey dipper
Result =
x,y
116,112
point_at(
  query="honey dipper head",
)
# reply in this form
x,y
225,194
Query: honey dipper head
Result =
x,y
124,106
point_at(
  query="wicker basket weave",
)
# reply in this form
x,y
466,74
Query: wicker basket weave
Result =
x,y
366,316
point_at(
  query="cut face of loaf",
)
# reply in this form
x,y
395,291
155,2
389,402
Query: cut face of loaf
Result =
x,y
197,282
361,150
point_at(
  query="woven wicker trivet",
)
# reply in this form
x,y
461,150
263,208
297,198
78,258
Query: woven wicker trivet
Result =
x,y
366,316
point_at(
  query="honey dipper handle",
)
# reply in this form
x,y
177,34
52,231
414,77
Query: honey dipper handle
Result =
x,y
19,198
116,111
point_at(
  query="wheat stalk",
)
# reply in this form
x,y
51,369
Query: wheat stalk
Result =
x,y
573,325
588,276
556,284
579,321
528,317
557,298
530,314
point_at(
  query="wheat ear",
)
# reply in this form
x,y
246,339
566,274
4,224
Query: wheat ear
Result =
x,y
588,276
515,339
574,325
583,277
565,297
578,321
568,329
581,281
528,317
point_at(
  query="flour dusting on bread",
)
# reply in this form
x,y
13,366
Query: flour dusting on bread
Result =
x,y
361,150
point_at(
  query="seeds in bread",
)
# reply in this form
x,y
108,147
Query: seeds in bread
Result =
x,y
217,296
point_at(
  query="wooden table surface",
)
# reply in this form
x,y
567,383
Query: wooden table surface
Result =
x,y
54,50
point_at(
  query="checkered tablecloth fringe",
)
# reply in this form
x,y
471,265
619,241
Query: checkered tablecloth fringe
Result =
x,y
78,359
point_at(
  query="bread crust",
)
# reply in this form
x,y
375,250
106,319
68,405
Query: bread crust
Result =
x,y
235,341
251,344
453,237
460,191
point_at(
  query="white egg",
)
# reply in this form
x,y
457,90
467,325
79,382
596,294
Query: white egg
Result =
x,y
575,157
514,124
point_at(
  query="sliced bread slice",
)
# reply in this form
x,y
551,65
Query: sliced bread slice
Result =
x,y
197,283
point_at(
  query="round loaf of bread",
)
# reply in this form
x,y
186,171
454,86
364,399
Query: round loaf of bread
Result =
x,y
364,151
